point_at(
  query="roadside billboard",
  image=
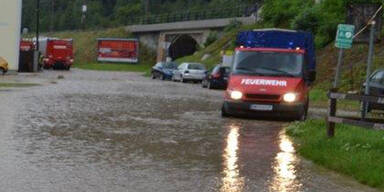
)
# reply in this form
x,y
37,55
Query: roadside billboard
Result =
x,y
10,21
118,50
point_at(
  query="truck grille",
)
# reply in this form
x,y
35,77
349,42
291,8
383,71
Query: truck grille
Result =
x,y
262,97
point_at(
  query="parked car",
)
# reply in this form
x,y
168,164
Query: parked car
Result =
x,y
3,66
217,78
376,88
190,72
163,70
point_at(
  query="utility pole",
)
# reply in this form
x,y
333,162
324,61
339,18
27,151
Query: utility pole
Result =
x,y
146,8
36,54
369,66
84,14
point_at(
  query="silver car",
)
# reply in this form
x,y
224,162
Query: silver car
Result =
x,y
189,72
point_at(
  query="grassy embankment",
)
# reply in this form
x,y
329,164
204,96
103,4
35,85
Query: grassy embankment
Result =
x,y
85,45
354,151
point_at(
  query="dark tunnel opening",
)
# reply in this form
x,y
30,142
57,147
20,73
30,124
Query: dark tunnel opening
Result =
x,y
183,46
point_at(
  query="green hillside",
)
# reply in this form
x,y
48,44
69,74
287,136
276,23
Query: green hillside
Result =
x,y
58,15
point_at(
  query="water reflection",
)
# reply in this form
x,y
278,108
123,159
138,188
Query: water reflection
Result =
x,y
232,182
284,167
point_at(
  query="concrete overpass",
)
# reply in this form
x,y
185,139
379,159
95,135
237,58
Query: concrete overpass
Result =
x,y
179,39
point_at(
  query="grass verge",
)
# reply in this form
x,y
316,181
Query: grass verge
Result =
x,y
354,151
7,85
319,99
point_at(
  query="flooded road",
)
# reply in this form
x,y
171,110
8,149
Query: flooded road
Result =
x,y
109,131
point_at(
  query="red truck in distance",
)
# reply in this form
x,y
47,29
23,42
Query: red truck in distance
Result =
x,y
58,54
26,45
271,74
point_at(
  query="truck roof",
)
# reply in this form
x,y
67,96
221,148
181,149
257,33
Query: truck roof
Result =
x,y
299,51
272,38
117,39
276,29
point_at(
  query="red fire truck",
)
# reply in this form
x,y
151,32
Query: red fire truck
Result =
x,y
59,54
27,45
272,73
27,48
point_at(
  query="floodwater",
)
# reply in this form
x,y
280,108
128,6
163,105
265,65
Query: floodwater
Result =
x,y
109,131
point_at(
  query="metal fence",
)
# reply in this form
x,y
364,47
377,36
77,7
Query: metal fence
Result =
x,y
236,11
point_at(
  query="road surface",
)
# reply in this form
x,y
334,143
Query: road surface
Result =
x,y
109,131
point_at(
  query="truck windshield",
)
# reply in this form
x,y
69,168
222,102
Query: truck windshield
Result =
x,y
268,63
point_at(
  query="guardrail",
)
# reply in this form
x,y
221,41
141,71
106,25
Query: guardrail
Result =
x,y
369,123
237,11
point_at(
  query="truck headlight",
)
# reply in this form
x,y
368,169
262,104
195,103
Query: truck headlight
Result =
x,y
290,97
236,95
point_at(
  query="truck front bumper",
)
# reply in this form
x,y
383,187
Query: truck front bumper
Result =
x,y
284,110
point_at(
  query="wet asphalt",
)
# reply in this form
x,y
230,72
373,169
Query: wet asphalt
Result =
x,y
117,132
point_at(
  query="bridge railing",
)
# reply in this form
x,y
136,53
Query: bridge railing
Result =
x,y
236,11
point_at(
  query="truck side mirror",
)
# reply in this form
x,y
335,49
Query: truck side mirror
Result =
x,y
311,76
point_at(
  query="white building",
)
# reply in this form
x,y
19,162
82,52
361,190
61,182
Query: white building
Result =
x,y
10,27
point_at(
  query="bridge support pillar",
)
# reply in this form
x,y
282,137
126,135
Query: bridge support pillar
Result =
x,y
162,48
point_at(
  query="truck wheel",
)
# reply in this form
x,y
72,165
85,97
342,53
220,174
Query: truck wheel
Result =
x,y
162,77
68,68
224,112
183,80
210,86
203,84
303,114
153,75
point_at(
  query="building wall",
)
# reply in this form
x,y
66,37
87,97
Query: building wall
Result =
x,y
10,27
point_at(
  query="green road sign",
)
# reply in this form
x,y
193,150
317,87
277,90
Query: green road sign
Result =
x,y
344,36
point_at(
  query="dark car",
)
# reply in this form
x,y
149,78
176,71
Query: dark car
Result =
x,y
217,78
376,88
163,70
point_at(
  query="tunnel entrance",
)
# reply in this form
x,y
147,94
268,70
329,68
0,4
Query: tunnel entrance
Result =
x,y
184,45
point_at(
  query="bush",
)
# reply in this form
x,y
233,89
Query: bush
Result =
x,y
212,37
281,12
308,20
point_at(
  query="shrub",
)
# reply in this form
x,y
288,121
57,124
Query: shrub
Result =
x,y
281,12
212,37
308,20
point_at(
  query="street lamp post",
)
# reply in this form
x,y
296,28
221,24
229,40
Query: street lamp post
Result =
x,y
84,14
36,53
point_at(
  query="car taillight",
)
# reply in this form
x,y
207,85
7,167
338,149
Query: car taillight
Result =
x,y
216,75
